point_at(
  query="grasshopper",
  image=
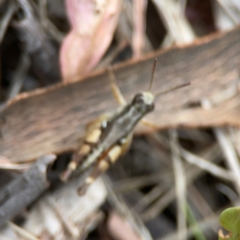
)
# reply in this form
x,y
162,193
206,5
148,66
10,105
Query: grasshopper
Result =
x,y
108,137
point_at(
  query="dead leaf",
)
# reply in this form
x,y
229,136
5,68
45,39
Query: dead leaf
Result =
x,y
93,25
54,119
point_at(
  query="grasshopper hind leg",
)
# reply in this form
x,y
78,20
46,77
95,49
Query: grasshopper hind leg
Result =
x,y
96,171
91,138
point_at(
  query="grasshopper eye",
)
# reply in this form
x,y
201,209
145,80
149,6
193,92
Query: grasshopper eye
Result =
x,y
143,102
139,98
151,107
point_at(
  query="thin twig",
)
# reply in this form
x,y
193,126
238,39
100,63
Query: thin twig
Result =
x,y
6,18
24,189
18,78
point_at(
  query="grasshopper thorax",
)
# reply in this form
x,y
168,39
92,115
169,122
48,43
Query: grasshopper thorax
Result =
x,y
143,102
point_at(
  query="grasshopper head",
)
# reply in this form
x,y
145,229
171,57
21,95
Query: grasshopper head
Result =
x,y
143,102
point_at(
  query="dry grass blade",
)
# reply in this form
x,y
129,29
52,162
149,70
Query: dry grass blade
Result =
x,y
139,182
231,157
180,187
124,30
126,212
158,206
191,175
139,14
22,232
18,78
200,203
6,18
6,164
228,150
150,197
229,193
228,8
182,4
206,165
203,225
67,223
177,25
106,61
48,25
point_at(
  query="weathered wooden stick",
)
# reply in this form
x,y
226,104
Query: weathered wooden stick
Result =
x,y
23,190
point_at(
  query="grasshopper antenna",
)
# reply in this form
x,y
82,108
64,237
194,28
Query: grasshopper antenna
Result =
x,y
172,89
153,73
115,89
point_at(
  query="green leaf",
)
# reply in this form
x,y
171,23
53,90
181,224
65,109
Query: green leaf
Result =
x,y
230,220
